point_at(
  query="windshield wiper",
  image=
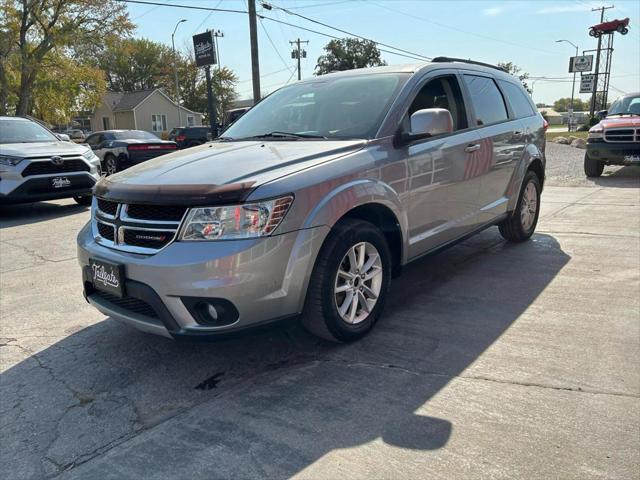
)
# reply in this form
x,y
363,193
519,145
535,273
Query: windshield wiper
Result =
x,y
286,135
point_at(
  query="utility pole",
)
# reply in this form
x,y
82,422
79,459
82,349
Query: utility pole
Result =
x,y
297,53
175,70
573,86
595,78
213,121
255,64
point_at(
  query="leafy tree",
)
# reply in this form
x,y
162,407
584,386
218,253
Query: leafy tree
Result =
x,y
347,54
39,33
563,104
193,88
515,70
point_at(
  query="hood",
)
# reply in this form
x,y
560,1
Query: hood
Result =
x,y
218,171
620,122
42,149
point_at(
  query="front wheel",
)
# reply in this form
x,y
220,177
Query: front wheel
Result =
x,y
85,200
110,165
592,167
349,283
522,222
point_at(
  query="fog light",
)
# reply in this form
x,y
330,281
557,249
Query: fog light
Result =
x,y
211,312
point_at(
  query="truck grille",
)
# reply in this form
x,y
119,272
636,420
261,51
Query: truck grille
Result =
x,y
45,167
136,228
621,135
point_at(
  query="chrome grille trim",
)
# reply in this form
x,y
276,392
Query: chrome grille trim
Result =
x,y
121,222
622,135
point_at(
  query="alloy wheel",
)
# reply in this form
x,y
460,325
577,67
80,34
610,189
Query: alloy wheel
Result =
x,y
529,206
112,166
358,282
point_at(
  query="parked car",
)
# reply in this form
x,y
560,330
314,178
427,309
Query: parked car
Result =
x,y
232,115
620,26
186,137
615,140
35,164
76,135
313,212
120,149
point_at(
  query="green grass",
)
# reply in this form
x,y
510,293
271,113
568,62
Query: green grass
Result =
x,y
551,135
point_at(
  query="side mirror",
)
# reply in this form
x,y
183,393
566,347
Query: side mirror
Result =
x,y
63,137
602,114
427,123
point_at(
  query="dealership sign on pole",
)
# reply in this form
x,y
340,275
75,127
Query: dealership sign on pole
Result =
x,y
586,83
203,48
582,63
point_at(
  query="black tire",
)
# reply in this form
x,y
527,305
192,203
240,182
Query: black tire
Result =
x,y
320,314
592,167
513,229
85,200
110,165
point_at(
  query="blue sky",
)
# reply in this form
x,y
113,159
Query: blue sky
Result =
x,y
523,32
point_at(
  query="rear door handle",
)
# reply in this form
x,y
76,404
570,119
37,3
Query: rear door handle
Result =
x,y
472,148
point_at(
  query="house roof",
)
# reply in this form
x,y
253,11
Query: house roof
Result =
x,y
128,101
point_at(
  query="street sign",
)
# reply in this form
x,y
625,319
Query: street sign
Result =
x,y
203,48
583,63
587,83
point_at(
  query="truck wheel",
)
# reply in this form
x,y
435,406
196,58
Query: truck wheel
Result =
x,y
592,167
349,283
110,165
523,220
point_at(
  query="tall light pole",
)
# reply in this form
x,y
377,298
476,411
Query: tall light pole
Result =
x,y
573,87
175,69
217,34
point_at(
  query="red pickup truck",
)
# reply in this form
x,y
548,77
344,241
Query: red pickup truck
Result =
x,y
619,26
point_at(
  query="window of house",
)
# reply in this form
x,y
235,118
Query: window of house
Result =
x,y
518,99
190,121
442,92
106,123
158,123
487,100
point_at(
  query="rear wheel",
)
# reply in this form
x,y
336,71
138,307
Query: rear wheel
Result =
x,y
522,222
110,165
85,200
592,167
349,283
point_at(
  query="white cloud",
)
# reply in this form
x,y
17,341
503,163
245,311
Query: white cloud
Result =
x,y
493,11
563,9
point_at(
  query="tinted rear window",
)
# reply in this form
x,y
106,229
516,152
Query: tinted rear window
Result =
x,y
487,100
517,99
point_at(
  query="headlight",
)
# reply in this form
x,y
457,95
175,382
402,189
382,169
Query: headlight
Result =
x,y
248,220
88,155
595,133
10,161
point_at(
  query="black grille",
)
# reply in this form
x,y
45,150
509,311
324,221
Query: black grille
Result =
x,y
107,207
156,212
106,231
146,238
131,304
48,168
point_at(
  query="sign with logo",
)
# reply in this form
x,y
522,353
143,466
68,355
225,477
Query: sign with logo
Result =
x,y
107,276
587,83
583,63
203,48
60,182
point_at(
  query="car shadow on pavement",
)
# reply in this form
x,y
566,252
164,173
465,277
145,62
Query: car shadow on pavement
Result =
x,y
625,177
27,213
109,402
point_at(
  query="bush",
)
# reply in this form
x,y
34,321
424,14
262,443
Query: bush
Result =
x,y
583,128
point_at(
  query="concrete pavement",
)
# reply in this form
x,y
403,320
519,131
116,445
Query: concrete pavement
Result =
x,y
492,361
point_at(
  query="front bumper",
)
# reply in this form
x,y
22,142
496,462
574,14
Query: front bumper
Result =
x,y
614,153
40,188
264,279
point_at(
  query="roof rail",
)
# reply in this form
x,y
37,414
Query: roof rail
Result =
x,y
473,62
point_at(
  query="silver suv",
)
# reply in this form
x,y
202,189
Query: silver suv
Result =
x,y
36,165
314,199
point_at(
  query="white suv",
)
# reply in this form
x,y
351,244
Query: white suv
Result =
x,y
36,165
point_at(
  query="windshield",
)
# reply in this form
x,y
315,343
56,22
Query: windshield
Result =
x,y
18,130
335,108
629,105
134,135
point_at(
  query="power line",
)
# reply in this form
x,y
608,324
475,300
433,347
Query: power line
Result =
x,y
274,45
206,18
345,31
175,5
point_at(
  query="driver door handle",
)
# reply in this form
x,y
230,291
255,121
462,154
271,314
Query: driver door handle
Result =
x,y
472,147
